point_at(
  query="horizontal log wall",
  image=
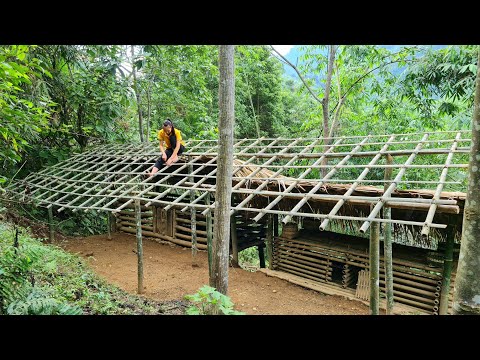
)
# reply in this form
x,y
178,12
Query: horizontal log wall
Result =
x,y
415,283
176,225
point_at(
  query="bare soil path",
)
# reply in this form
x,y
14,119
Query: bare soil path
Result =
x,y
169,275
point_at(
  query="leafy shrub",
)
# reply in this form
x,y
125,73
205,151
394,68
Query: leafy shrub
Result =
x,y
208,301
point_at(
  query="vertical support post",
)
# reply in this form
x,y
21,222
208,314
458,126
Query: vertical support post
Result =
x,y
447,270
276,230
233,234
51,234
261,255
209,235
154,219
109,226
270,240
193,214
387,243
374,267
138,215
113,222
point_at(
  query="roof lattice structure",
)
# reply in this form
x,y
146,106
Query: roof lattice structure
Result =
x,y
270,176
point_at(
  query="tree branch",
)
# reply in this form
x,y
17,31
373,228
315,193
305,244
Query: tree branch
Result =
x,y
298,72
364,75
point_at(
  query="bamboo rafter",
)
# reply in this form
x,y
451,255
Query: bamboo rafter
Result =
x,y
267,172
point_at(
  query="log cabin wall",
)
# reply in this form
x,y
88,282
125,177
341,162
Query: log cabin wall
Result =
x,y
343,261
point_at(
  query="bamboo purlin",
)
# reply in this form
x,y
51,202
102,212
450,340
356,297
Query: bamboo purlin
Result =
x,y
271,176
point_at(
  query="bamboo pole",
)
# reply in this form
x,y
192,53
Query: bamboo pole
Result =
x,y
327,176
189,229
163,237
244,179
192,217
187,221
209,236
352,188
362,136
113,222
447,270
374,268
233,234
438,191
294,183
51,233
304,268
387,246
203,178
460,150
249,197
392,186
139,247
270,241
109,227
165,178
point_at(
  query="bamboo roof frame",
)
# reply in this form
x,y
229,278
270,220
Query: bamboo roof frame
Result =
x,y
97,179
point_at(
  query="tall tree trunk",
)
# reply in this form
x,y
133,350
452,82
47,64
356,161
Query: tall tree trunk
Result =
x,y
467,283
137,94
221,231
325,103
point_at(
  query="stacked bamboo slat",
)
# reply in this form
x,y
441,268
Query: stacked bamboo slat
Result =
x,y
414,283
126,218
183,230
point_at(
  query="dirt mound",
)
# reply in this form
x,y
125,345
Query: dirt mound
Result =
x,y
170,274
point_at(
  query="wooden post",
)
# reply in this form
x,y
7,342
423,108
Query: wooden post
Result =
x,y
51,235
209,235
154,219
387,244
270,241
276,230
374,267
138,215
109,226
447,270
233,233
261,255
113,222
193,216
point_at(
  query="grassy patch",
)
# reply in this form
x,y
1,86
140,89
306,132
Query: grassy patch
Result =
x,y
39,278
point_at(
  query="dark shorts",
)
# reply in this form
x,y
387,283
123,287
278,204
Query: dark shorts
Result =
x,y
169,153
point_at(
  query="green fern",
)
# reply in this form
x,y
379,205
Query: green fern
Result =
x,y
38,303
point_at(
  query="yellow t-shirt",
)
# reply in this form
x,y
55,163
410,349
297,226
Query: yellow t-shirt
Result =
x,y
163,136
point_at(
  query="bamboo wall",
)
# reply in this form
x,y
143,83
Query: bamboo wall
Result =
x,y
175,226
343,261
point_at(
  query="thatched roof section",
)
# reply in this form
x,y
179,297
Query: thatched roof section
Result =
x,y
289,177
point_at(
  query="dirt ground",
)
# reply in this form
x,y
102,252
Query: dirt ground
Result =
x,y
169,275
